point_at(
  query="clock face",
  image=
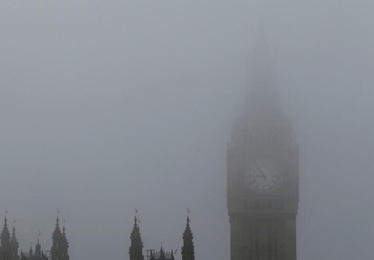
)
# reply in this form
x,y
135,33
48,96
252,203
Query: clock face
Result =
x,y
263,177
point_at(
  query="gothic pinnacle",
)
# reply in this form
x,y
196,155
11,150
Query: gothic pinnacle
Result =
x,y
6,218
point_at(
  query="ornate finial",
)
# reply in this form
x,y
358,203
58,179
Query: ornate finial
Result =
x,y
14,225
58,217
136,220
6,219
63,226
188,216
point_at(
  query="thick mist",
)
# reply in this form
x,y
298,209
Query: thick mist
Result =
x,y
108,106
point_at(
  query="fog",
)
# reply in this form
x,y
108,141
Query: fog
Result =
x,y
108,106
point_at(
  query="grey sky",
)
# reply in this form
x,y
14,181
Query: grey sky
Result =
x,y
110,105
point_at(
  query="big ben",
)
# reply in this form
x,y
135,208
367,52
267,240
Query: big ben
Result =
x,y
262,171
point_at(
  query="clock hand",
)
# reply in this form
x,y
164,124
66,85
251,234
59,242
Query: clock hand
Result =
x,y
261,172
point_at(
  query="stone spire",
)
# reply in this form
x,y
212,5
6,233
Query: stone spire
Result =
x,y
136,248
57,232
14,245
162,253
262,121
65,243
56,241
38,248
188,249
31,252
5,234
5,248
60,247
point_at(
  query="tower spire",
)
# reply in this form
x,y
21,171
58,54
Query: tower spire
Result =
x,y
5,247
262,168
39,235
63,229
65,243
57,231
38,247
188,249
60,247
14,228
14,245
5,234
262,96
262,118
136,248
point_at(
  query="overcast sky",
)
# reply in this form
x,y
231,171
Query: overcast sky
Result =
x,y
110,105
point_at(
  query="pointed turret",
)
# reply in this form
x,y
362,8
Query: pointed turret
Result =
x,y
5,234
188,249
162,254
14,245
31,252
57,232
136,248
38,248
65,243
5,248
59,250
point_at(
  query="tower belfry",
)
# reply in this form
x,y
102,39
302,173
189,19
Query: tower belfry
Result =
x,y
262,165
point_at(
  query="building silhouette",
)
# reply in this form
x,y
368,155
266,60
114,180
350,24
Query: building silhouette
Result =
x,y
161,255
262,171
9,247
262,185
6,246
136,247
60,244
34,254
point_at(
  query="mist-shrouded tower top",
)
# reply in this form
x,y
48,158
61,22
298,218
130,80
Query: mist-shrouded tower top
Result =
x,y
262,117
262,169
262,95
188,249
136,247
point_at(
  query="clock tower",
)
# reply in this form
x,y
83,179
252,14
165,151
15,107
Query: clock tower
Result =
x,y
262,171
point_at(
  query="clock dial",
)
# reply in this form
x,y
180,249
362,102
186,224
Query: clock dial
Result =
x,y
263,177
